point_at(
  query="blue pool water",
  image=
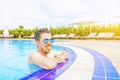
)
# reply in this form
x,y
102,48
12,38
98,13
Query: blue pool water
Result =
x,y
14,58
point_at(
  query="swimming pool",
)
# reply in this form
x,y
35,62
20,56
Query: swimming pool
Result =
x,y
14,59
13,55
88,64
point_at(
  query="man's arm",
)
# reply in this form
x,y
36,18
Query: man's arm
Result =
x,y
44,62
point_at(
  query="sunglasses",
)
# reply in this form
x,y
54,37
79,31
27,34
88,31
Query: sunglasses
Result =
x,y
46,40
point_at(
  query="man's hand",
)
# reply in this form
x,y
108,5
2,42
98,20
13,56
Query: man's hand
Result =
x,y
59,58
64,54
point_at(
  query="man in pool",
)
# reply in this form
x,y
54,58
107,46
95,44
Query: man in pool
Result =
x,y
44,56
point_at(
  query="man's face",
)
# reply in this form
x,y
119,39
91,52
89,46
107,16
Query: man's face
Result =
x,y
45,43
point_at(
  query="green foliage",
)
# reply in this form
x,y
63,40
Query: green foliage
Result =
x,y
15,32
34,30
117,30
84,30
21,32
27,32
1,31
81,30
53,30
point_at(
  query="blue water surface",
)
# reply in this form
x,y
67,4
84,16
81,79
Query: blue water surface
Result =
x,y
14,58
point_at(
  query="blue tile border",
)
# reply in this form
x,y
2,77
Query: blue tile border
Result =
x,y
52,74
103,68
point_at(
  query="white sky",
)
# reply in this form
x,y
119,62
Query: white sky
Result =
x,y
32,13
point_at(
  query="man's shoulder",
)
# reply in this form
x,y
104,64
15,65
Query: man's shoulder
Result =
x,y
34,53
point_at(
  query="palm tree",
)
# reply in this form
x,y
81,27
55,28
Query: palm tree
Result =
x,y
21,31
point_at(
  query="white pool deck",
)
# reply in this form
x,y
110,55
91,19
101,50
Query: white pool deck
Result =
x,y
83,67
